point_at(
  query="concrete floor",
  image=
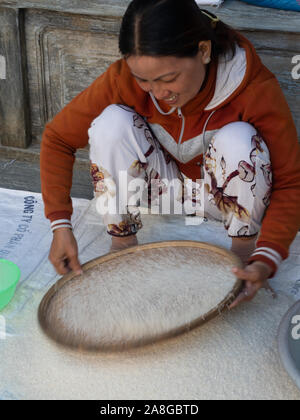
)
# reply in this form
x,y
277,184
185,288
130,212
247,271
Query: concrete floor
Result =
x,y
20,175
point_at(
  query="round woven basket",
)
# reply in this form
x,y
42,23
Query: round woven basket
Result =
x,y
129,280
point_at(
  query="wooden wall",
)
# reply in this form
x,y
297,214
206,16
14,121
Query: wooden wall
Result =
x,y
52,50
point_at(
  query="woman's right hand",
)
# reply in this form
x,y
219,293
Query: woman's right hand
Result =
x,y
64,252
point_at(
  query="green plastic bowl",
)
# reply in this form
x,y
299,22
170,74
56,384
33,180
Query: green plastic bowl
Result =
x,y
9,277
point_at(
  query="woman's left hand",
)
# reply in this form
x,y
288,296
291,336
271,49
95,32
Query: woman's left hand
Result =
x,y
255,277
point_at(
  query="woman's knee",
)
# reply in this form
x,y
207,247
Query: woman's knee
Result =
x,y
238,141
110,126
235,136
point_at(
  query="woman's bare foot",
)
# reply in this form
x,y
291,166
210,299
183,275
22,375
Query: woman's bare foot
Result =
x,y
122,242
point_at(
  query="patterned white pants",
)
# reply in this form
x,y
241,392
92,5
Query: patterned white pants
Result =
x,y
130,168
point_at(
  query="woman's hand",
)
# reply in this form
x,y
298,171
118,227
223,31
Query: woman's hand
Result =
x,y
255,277
64,252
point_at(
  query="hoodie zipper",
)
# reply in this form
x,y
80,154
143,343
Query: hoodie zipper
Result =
x,y
181,116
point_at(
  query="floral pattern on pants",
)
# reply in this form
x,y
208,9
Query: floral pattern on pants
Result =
x,y
237,181
241,206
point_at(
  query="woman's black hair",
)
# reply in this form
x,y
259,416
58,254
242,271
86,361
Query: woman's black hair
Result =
x,y
172,28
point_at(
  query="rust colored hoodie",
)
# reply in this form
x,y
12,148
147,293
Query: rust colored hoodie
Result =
x,y
237,89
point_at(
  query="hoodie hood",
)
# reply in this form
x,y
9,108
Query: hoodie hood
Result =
x,y
230,76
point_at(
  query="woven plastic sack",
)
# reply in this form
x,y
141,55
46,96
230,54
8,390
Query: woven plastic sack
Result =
x,y
277,4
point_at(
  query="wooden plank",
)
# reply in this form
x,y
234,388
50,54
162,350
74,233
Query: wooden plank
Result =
x,y
32,155
114,8
68,52
19,175
239,15
243,16
14,115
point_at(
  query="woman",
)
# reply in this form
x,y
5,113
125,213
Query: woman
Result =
x,y
187,84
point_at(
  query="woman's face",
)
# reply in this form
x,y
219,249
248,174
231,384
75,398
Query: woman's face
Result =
x,y
173,80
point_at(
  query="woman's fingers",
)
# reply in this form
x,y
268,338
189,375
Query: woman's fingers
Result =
x,y
254,277
74,265
248,293
241,298
64,252
249,290
67,264
61,266
246,274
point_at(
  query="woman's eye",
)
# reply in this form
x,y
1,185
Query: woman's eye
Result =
x,y
142,82
169,81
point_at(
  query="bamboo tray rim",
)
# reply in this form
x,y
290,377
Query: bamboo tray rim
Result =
x,y
214,312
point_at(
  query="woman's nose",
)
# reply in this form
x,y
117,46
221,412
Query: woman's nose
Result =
x,y
159,92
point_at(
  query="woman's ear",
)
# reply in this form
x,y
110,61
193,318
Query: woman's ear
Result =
x,y
205,50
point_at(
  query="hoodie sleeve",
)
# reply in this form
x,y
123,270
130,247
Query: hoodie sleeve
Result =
x,y
266,109
67,132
